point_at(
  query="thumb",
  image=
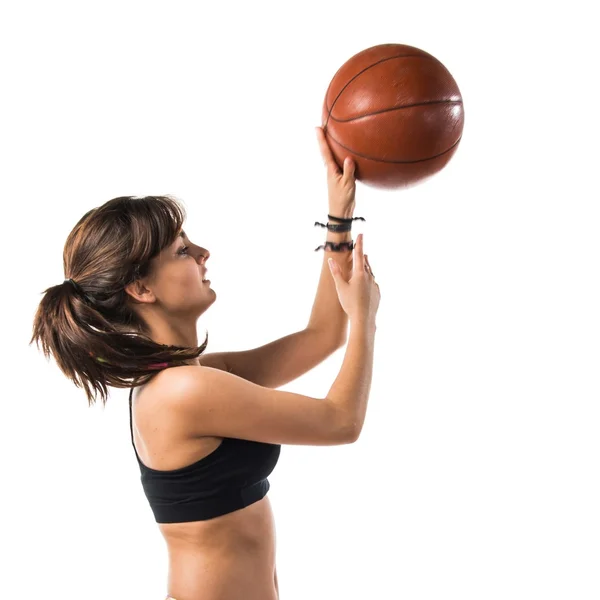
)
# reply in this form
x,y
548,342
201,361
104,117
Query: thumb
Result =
x,y
349,168
336,273
335,270
332,265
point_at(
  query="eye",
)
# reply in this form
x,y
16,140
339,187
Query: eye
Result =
x,y
184,250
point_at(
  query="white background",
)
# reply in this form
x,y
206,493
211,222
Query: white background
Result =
x,y
476,474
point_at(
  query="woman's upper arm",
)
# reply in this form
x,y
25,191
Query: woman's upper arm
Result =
x,y
216,403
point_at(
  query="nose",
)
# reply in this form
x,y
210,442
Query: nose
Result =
x,y
204,254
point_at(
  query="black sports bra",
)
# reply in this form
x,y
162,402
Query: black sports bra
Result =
x,y
231,477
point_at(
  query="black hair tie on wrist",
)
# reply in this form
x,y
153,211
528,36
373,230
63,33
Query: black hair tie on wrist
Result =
x,y
344,227
343,220
341,228
336,247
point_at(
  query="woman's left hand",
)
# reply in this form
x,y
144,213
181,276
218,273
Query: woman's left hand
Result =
x,y
341,185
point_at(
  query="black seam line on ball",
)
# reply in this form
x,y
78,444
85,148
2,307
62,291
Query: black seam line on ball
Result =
x,y
395,162
383,110
361,72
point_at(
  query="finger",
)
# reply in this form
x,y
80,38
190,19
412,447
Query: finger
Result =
x,y
368,264
349,168
326,153
359,259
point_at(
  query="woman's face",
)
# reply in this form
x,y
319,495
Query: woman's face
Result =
x,y
177,280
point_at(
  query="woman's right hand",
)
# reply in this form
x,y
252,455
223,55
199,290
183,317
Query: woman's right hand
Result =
x,y
359,296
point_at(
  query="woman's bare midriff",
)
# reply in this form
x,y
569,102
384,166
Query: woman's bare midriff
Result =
x,y
224,558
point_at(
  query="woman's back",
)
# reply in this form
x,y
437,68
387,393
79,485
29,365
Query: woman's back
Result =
x,y
223,556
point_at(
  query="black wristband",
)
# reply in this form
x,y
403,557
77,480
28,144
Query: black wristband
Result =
x,y
341,228
342,220
337,247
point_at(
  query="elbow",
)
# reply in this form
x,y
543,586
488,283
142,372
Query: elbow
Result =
x,y
352,432
355,435
346,427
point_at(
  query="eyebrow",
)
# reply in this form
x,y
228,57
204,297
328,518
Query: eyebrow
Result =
x,y
182,234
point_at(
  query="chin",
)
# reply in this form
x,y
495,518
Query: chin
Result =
x,y
207,304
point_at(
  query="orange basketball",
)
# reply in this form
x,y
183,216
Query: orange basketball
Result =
x,y
397,112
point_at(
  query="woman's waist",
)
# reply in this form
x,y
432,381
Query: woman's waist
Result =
x,y
250,529
235,566
213,574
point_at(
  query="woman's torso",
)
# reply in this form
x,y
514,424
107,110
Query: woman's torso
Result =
x,y
223,558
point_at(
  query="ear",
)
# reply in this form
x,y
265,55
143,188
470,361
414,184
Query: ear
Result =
x,y
139,292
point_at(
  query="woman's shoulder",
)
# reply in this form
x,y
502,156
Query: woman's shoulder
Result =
x,y
163,385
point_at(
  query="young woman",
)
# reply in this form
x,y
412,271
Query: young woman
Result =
x,y
207,438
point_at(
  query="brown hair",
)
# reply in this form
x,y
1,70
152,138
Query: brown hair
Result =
x,y
90,328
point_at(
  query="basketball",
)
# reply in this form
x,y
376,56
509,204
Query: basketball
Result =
x,y
397,112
